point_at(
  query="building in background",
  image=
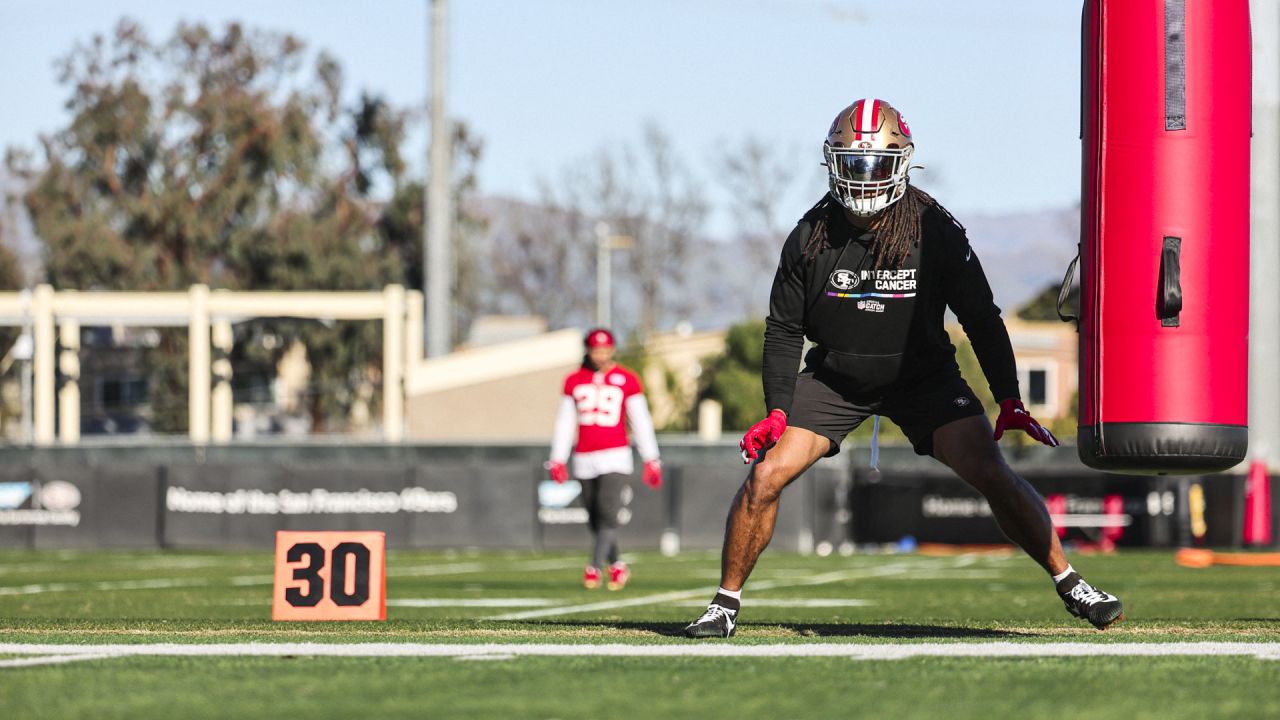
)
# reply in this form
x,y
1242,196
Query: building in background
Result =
x,y
500,391
1048,372
510,390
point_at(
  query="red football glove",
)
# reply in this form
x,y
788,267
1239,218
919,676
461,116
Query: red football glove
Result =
x,y
653,474
557,470
1015,417
762,435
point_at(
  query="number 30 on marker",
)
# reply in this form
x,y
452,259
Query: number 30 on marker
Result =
x,y
330,576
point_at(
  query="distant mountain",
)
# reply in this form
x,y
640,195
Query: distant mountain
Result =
x,y
1023,253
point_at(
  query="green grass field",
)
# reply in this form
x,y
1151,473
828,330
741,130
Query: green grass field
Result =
x,y
800,615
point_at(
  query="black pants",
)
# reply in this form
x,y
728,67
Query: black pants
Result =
x,y
603,497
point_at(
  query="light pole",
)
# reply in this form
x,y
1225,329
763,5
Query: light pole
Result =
x,y
437,257
604,243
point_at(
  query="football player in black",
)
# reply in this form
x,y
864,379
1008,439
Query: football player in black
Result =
x,y
867,275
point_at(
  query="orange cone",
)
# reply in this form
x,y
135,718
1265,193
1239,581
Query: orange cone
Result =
x,y
1257,506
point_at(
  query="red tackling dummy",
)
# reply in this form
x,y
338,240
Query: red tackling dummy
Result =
x,y
1164,229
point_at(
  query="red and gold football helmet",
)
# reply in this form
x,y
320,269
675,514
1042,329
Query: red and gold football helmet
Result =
x,y
868,154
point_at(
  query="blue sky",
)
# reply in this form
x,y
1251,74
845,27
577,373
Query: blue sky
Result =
x,y
990,87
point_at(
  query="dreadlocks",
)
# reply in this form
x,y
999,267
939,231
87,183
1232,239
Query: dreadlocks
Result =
x,y
897,229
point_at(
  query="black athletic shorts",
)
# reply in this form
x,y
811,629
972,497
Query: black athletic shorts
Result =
x,y
821,406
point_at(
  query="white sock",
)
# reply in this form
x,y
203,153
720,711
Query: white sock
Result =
x,y
735,594
1062,575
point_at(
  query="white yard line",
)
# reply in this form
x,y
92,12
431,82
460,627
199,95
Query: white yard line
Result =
x,y
437,569
155,584
506,568
820,579
247,580
954,575
470,602
894,651
793,603
184,563
52,659
782,573
422,602
540,565
251,580
152,584
605,605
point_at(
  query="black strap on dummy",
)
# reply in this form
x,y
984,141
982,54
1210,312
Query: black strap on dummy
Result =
x,y
1169,302
1065,292
1175,65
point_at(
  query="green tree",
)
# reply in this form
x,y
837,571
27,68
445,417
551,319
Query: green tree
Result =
x,y
971,370
1044,306
733,379
10,268
224,158
642,191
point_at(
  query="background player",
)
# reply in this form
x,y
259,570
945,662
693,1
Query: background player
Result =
x,y
598,398
867,275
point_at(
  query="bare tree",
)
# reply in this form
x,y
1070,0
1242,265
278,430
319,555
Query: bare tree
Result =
x,y
539,262
648,194
470,281
758,179
672,214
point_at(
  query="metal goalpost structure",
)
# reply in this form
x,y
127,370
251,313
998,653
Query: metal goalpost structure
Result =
x,y
57,316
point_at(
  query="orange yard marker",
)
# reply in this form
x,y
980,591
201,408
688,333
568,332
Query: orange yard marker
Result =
x,y
330,576
951,549
1198,558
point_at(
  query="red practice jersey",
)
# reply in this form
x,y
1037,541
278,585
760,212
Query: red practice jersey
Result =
x,y
601,399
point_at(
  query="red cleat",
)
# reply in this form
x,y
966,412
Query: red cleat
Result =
x,y
618,576
591,578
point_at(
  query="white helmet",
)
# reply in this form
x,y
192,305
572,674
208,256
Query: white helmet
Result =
x,y
868,153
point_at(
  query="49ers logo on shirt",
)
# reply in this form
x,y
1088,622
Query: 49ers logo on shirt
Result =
x,y
845,279
598,404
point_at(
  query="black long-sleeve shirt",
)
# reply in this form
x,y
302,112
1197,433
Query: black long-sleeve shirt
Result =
x,y
880,330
